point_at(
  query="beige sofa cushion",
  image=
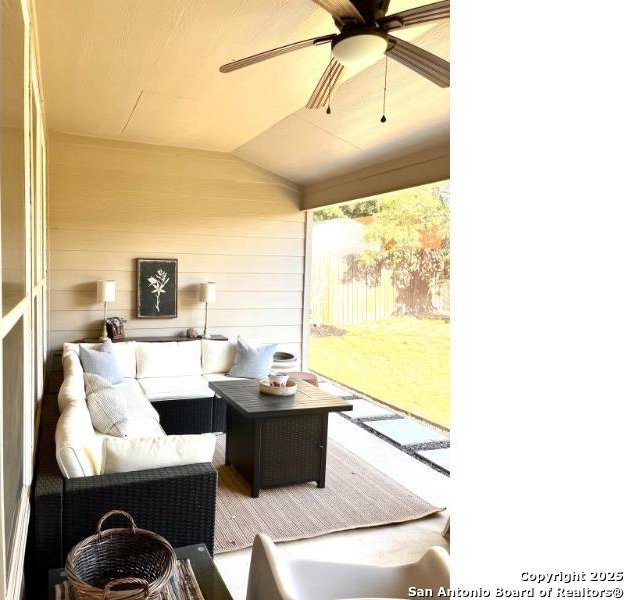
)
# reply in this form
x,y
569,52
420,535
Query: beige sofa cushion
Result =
x,y
72,389
145,428
78,451
121,455
125,353
217,356
170,388
138,405
168,359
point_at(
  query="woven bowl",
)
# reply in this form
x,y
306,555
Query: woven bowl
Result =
x,y
290,389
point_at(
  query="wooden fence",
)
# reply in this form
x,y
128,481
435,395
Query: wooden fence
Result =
x,y
339,299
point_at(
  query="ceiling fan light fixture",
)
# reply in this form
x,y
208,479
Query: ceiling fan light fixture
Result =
x,y
359,50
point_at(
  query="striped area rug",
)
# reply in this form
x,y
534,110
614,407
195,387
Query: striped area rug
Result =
x,y
356,495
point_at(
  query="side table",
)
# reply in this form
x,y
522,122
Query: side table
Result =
x,y
275,441
206,573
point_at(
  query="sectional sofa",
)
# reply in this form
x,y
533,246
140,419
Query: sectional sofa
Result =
x,y
71,492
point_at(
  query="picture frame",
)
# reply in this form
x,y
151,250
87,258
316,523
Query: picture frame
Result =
x,y
157,288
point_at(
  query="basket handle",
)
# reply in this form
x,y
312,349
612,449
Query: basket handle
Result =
x,y
110,514
125,580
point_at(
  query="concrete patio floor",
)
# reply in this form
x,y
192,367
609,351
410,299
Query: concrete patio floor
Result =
x,y
385,545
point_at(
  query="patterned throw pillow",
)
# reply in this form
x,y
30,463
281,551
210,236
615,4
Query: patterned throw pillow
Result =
x,y
107,406
120,410
101,362
252,362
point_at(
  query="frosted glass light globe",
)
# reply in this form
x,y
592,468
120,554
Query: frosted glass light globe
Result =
x,y
360,51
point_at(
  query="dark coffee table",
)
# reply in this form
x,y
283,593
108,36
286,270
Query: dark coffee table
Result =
x,y
277,440
208,578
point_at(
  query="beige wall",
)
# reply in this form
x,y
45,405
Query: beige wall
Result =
x,y
224,219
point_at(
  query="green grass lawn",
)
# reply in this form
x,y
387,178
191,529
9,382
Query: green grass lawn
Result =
x,y
403,361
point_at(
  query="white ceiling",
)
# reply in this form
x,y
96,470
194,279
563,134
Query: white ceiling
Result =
x,y
147,71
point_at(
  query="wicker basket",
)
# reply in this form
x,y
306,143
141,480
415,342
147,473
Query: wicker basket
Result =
x,y
120,564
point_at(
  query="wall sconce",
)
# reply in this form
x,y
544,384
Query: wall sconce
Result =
x,y
207,295
105,293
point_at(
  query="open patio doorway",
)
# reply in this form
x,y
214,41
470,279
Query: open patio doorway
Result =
x,y
380,311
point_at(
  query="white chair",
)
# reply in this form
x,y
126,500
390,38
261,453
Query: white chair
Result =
x,y
273,578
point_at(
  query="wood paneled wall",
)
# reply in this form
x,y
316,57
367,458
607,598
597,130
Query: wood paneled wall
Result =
x,y
224,219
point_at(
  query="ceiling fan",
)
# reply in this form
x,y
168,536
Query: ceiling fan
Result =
x,y
363,39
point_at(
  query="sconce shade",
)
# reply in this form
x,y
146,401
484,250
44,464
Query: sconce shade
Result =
x,y
208,292
106,290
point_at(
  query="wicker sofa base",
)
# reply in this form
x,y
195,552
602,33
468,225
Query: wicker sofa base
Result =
x,y
191,415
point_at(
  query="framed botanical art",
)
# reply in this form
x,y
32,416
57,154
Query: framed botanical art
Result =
x,y
157,288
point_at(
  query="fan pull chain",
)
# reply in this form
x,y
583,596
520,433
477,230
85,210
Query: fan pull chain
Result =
x,y
383,116
328,111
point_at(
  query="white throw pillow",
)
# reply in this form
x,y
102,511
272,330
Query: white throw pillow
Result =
x,y
121,455
217,356
101,362
168,359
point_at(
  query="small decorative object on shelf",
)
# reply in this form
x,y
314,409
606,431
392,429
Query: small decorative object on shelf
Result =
x,y
266,387
192,333
105,565
115,328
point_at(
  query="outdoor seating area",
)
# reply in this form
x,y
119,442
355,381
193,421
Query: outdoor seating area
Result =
x,y
164,430
257,342
207,502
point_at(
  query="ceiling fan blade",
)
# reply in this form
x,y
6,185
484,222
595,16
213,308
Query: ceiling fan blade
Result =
x,y
325,86
428,65
341,9
420,14
256,58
